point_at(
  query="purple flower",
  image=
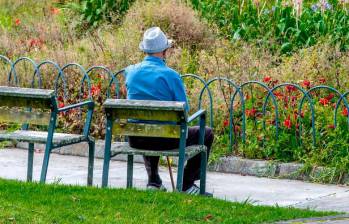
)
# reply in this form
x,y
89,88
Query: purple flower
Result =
x,y
325,5
328,6
314,7
273,8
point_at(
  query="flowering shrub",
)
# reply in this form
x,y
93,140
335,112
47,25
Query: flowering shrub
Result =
x,y
283,26
288,131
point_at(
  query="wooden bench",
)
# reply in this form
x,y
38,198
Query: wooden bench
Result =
x,y
39,107
168,120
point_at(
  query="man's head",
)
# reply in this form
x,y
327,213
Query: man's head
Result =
x,y
155,42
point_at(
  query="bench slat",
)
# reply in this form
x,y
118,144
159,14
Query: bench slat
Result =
x,y
24,117
41,137
26,97
24,102
124,148
26,92
144,104
139,114
146,130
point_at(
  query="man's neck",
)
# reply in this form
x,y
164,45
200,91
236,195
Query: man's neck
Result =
x,y
158,55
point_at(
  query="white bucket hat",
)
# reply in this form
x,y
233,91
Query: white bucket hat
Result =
x,y
154,41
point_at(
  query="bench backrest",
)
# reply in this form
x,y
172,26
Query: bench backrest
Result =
x,y
16,105
146,118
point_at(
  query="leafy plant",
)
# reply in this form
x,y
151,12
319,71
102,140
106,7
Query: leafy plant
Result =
x,y
281,26
93,12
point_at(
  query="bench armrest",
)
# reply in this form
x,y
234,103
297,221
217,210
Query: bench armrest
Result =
x,y
197,114
202,122
88,103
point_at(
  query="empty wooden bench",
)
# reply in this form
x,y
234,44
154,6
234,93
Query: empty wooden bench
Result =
x,y
39,107
152,119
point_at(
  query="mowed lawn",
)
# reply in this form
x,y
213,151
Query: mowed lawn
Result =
x,y
35,203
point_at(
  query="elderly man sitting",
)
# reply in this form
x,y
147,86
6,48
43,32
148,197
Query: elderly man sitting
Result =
x,y
151,79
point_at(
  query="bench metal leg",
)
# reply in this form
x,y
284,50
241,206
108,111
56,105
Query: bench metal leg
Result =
x,y
203,168
181,158
48,147
106,163
91,155
107,148
45,164
129,170
30,162
180,174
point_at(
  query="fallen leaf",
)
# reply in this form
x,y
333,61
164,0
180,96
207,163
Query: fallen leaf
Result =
x,y
208,217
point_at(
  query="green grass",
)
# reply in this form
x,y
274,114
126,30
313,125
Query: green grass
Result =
x,y
35,203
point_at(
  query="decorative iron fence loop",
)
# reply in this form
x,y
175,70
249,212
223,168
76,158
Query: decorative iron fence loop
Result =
x,y
36,71
231,107
116,83
104,69
9,62
85,78
60,76
209,94
265,104
343,97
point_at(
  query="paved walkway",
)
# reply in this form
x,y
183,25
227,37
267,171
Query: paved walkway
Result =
x,y
264,191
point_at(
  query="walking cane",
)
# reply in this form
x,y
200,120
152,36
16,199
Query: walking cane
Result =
x,y
171,174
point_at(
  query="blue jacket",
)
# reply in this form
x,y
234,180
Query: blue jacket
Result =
x,y
153,80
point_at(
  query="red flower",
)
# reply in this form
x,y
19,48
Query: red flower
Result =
x,y
324,101
278,95
275,81
267,79
17,22
331,126
35,42
60,105
291,88
96,89
306,83
330,96
251,113
322,80
288,123
345,111
60,99
225,123
54,11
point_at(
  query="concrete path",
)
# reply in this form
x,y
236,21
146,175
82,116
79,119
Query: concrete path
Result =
x,y
263,191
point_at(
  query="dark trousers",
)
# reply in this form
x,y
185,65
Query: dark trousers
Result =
x,y
191,170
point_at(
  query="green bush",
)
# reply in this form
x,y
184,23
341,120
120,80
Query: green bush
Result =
x,y
280,26
93,12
